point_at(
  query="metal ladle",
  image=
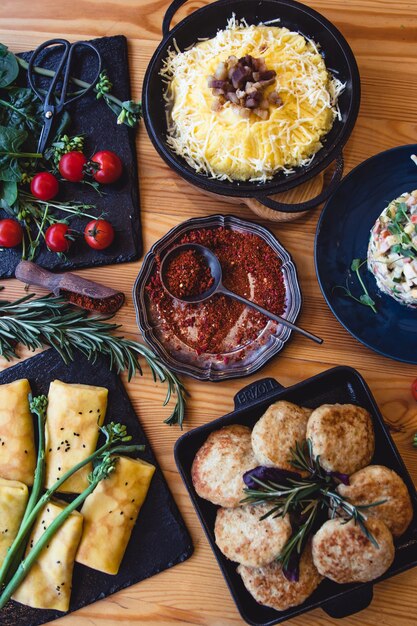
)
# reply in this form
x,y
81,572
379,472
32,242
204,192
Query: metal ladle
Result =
x,y
218,287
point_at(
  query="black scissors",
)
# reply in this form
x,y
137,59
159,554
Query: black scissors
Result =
x,y
53,104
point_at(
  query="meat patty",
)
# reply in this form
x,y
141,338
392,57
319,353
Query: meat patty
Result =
x,y
376,483
343,553
220,463
269,586
243,537
277,431
343,436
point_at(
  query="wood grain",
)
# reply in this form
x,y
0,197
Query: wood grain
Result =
x,y
383,36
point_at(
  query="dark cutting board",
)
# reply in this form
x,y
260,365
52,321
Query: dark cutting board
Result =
x,y
121,200
159,539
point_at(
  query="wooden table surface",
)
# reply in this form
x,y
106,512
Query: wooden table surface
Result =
x,y
383,36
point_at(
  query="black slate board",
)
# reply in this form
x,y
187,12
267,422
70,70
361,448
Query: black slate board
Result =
x,y
121,200
159,539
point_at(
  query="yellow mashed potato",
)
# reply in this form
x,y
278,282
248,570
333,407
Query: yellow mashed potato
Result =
x,y
222,144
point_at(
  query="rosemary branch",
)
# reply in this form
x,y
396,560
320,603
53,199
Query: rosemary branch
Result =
x,y
302,497
53,321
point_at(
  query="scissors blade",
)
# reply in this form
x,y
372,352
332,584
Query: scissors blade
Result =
x,y
46,130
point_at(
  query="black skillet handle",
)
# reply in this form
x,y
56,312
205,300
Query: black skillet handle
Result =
x,y
170,12
253,393
350,602
308,204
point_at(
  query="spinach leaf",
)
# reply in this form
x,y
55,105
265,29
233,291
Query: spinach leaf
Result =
x,y
21,109
9,67
8,193
11,140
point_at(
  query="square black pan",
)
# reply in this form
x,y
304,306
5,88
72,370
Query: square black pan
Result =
x,y
343,385
159,539
121,200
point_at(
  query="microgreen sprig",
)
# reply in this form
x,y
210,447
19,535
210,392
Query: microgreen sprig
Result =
x,y
364,299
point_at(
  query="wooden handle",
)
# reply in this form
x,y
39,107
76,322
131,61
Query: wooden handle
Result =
x,y
33,274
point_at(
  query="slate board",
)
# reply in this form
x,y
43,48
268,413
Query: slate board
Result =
x,y
159,539
121,200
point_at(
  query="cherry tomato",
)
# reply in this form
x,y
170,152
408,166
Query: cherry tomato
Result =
x,y
56,237
44,186
110,167
11,233
99,234
414,389
71,166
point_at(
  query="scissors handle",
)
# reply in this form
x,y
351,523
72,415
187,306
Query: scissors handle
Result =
x,y
53,103
63,67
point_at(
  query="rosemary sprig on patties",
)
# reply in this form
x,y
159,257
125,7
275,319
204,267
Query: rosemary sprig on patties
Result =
x,y
303,494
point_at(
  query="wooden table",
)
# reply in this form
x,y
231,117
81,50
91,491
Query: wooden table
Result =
x,y
383,36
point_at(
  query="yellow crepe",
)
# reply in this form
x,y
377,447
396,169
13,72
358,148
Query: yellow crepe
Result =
x,y
17,448
13,500
110,513
48,583
74,415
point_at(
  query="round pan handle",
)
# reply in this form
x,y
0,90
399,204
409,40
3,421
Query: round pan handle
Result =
x,y
170,12
308,204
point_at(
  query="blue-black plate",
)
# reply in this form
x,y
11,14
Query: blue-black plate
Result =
x,y
343,235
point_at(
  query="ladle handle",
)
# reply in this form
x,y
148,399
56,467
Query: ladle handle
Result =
x,y
272,316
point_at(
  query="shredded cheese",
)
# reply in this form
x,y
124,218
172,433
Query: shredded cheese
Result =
x,y
225,146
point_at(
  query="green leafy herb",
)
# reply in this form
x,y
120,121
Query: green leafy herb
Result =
x,y
364,298
52,321
21,109
9,68
11,141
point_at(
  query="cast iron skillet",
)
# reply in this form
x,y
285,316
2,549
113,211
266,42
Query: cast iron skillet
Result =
x,y
204,23
339,384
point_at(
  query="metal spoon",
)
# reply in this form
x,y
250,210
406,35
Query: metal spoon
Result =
x,y
218,287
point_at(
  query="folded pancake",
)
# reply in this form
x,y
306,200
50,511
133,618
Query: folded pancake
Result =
x,y
48,583
110,513
74,415
13,500
17,447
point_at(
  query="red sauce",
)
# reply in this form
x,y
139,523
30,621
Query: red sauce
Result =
x,y
220,324
188,274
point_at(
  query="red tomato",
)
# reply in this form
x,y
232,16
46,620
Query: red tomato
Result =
x,y
44,186
99,234
56,237
11,233
414,219
110,167
71,166
414,389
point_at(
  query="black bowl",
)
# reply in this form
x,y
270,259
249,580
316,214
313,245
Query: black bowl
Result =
x,y
204,23
340,384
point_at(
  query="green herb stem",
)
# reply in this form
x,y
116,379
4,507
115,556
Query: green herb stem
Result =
x,y
22,155
25,566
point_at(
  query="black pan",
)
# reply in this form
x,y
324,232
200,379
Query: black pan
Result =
x,y
340,384
298,17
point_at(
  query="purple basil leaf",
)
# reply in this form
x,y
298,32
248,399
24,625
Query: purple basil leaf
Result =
x,y
343,478
292,570
268,474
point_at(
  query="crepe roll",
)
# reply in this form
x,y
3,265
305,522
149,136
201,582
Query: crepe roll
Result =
x,y
48,583
74,415
110,513
13,501
17,447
